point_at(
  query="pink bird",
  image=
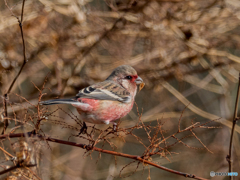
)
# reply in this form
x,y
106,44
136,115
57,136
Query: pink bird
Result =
x,y
107,101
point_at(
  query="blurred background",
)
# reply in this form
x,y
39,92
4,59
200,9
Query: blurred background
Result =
x,y
187,53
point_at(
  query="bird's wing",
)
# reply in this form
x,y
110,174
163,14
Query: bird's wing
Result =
x,y
106,90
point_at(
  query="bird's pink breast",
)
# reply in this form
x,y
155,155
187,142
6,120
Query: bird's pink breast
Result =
x,y
103,111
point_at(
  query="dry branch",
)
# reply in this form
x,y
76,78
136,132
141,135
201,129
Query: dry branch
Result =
x,y
20,21
90,148
235,119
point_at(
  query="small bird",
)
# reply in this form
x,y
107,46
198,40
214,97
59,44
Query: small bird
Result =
x,y
107,101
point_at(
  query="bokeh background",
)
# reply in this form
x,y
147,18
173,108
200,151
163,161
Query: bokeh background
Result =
x,y
187,53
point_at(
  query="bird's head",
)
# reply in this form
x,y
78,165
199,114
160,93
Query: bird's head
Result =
x,y
127,77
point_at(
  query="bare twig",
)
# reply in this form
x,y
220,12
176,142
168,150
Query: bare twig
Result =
x,y
37,126
15,167
19,72
6,152
235,118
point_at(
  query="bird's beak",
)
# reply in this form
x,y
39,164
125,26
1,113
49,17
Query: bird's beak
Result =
x,y
138,80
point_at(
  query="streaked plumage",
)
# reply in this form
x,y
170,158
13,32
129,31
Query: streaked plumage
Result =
x,y
106,101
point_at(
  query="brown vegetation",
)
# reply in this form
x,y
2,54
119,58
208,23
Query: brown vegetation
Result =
x,y
185,51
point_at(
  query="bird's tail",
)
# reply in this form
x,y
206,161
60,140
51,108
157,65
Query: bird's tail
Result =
x,y
59,101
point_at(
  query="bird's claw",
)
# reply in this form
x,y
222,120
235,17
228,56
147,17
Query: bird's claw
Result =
x,y
83,129
115,127
32,133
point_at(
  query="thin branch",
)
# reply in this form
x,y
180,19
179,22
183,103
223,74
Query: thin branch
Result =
x,y
24,62
6,152
229,156
90,148
37,126
23,41
15,167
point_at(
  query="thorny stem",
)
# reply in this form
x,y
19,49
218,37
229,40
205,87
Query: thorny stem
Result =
x,y
37,126
235,118
89,147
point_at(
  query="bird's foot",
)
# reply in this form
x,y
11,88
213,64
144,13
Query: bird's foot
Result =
x,y
83,129
32,133
115,127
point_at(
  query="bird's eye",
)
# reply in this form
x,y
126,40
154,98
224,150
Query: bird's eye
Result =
x,y
128,77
